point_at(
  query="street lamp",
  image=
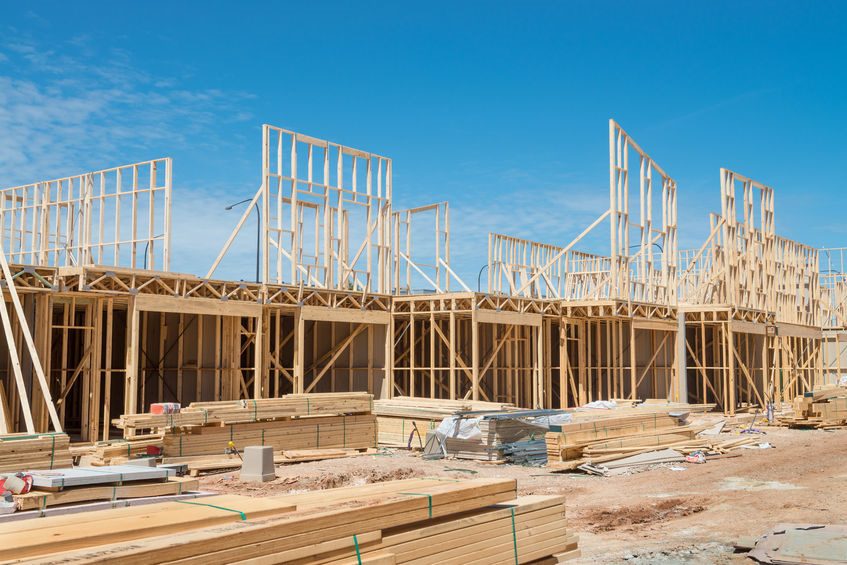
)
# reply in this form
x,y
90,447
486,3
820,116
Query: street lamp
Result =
x,y
258,229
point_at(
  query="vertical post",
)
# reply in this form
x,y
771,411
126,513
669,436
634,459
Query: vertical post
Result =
x,y
452,336
131,392
681,372
299,352
258,356
539,367
389,358
632,360
474,352
730,361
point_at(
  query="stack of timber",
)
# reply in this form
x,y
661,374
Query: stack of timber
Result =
x,y
404,421
293,422
495,432
646,434
41,499
244,411
21,452
824,408
480,521
118,451
647,430
320,432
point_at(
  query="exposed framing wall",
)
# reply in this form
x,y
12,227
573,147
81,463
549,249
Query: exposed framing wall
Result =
x,y
119,217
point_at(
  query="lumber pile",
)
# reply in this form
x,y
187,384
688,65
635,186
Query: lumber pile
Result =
x,y
479,521
404,421
345,432
243,411
293,422
643,435
117,452
586,440
21,452
823,409
41,499
495,432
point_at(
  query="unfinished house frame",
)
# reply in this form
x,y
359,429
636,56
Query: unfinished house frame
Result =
x,y
355,295
118,217
833,280
613,332
751,301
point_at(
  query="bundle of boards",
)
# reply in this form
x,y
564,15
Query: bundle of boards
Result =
x,y
496,432
479,521
823,408
21,452
404,421
292,422
598,437
244,411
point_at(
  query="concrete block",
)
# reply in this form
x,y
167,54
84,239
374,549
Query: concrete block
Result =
x,y
258,464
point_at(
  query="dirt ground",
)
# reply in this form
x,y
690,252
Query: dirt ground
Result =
x,y
658,515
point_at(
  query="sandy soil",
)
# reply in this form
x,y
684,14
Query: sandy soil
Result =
x,y
655,516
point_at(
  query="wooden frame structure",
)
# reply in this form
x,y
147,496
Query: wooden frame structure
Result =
x,y
347,302
119,217
326,214
613,332
751,302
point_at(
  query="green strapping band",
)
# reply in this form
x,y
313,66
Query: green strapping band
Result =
x,y
344,425
231,431
514,536
52,451
114,493
215,506
318,434
308,406
358,553
205,416
263,436
428,496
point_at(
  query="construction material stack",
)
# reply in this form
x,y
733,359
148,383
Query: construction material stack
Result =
x,y
292,422
410,521
404,421
19,452
825,408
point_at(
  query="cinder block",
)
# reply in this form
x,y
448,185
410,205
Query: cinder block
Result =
x,y
258,464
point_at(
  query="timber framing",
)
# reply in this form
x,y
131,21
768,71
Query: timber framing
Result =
x,y
356,295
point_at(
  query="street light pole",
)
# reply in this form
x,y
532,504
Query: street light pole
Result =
x,y
258,230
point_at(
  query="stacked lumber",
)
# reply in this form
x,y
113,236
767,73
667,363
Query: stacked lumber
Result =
x,y
41,499
495,433
21,452
241,411
410,521
571,445
824,408
404,421
320,432
116,452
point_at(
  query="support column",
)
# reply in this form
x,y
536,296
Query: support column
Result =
x,y
299,352
475,354
681,371
132,327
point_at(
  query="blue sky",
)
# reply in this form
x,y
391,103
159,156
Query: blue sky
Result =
x,y
500,108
